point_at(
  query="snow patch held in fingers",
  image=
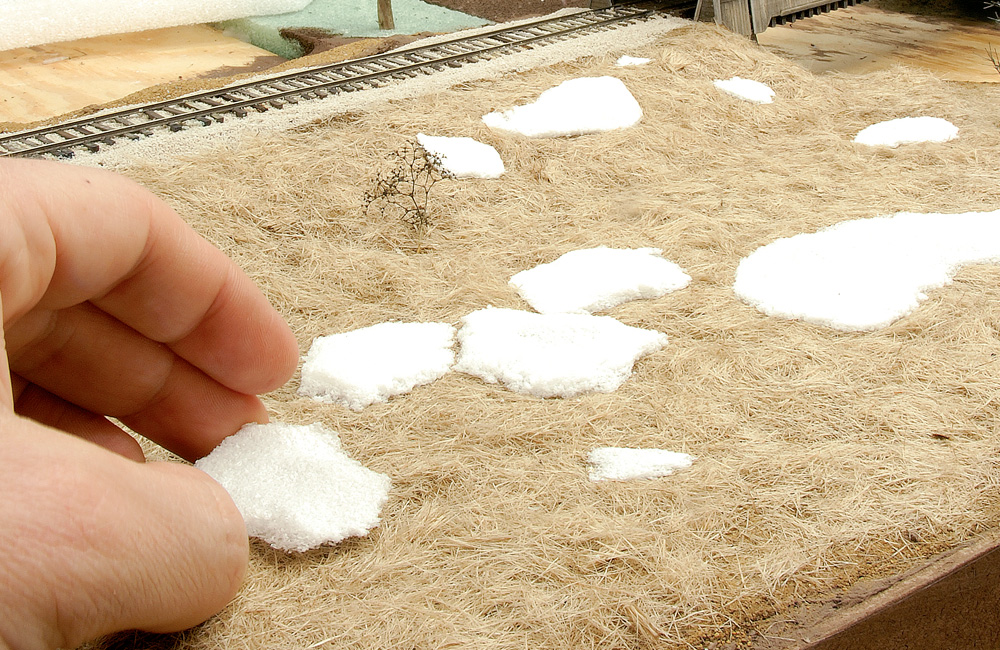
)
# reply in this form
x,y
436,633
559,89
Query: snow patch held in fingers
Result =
x,y
295,485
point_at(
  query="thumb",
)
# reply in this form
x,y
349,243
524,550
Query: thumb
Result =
x,y
94,543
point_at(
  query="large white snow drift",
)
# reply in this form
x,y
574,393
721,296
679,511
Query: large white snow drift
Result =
x,y
866,273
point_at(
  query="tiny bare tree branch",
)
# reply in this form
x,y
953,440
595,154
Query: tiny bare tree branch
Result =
x,y
994,57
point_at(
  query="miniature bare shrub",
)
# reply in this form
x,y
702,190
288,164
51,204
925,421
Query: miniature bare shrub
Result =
x,y
402,188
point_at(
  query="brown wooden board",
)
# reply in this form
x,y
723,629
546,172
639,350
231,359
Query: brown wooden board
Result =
x,y
951,602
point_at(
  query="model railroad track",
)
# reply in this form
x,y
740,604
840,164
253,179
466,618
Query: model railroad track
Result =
x,y
278,91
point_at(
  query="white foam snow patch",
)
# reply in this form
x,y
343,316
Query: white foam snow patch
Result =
x,y
626,60
551,355
866,273
463,157
295,486
748,89
574,107
598,278
623,463
907,130
374,363
34,22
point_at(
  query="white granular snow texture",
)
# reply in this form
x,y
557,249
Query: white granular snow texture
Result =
x,y
463,157
623,463
747,89
295,486
24,23
551,355
907,130
574,107
374,363
866,273
598,278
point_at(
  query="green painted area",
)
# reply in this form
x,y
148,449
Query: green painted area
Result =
x,y
348,18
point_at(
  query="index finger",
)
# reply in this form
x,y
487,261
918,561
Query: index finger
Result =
x,y
90,235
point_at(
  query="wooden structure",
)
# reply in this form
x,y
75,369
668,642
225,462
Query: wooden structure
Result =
x,y
751,17
951,602
385,19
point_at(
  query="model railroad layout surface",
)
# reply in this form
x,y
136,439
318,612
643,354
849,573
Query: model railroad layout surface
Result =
x,y
627,340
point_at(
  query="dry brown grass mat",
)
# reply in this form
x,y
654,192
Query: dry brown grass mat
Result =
x,y
822,456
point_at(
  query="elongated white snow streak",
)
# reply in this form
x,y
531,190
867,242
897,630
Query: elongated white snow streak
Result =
x,y
907,130
625,60
746,89
624,463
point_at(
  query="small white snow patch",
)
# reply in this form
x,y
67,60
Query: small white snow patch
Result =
x,y
463,157
626,60
598,278
375,363
623,463
907,130
295,485
551,355
748,89
574,107
866,273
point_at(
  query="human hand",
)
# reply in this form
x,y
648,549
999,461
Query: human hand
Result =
x,y
113,306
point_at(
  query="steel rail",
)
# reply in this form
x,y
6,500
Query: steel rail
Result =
x,y
277,91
